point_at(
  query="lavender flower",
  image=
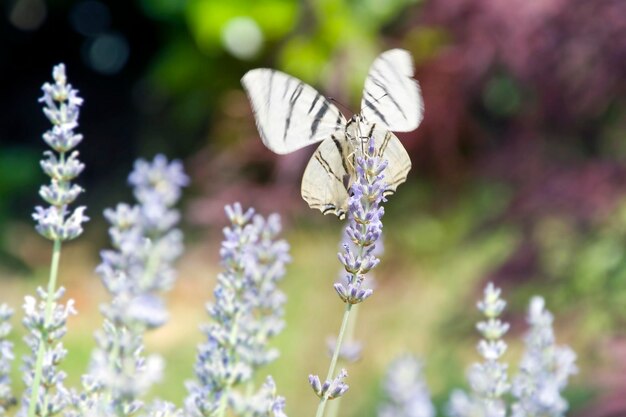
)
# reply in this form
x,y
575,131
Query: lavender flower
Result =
x,y
247,312
139,267
330,389
164,409
45,320
52,396
6,357
270,255
265,403
358,257
406,391
544,368
364,226
488,380
62,107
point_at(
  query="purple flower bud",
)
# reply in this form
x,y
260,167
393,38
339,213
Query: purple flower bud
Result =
x,y
315,383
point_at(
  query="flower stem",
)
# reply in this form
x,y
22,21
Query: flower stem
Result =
x,y
52,282
333,362
221,411
333,408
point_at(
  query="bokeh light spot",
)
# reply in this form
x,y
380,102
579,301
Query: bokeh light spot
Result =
x,y
242,37
107,53
28,14
90,17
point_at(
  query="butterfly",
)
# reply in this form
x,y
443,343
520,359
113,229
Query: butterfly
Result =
x,y
291,114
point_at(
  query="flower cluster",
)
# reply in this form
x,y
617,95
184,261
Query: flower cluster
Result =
x,y
358,257
488,380
46,329
45,320
543,372
247,312
364,228
6,357
62,107
406,391
145,243
544,369
265,403
330,389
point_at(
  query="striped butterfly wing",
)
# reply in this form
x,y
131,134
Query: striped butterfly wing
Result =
x,y
389,147
289,113
330,172
391,96
328,175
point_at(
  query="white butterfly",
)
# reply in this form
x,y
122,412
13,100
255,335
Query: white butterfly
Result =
x,y
291,114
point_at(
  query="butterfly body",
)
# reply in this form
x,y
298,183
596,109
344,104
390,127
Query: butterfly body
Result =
x,y
291,114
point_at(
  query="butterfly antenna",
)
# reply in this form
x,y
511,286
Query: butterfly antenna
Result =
x,y
371,103
340,104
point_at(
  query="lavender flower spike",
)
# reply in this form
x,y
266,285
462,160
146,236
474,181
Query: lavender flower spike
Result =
x,y
62,107
488,380
544,368
45,320
247,312
358,256
6,357
406,391
364,226
145,243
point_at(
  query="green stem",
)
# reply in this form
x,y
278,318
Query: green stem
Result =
x,y
333,408
221,411
352,324
52,282
349,332
333,362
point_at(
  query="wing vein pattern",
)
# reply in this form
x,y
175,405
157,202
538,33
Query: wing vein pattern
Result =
x,y
391,95
289,113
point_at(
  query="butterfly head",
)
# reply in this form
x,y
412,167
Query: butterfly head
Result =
x,y
357,128
359,131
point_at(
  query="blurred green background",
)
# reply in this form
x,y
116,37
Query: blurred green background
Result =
x,y
519,170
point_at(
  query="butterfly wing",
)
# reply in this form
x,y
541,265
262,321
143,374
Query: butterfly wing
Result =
x,y
389,147
391,96
327,176
289,113
330,172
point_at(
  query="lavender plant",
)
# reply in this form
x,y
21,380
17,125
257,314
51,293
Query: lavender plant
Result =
x,y
246,314
357,257
488,380
46,319
405,390
6,357
544,369
136,271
